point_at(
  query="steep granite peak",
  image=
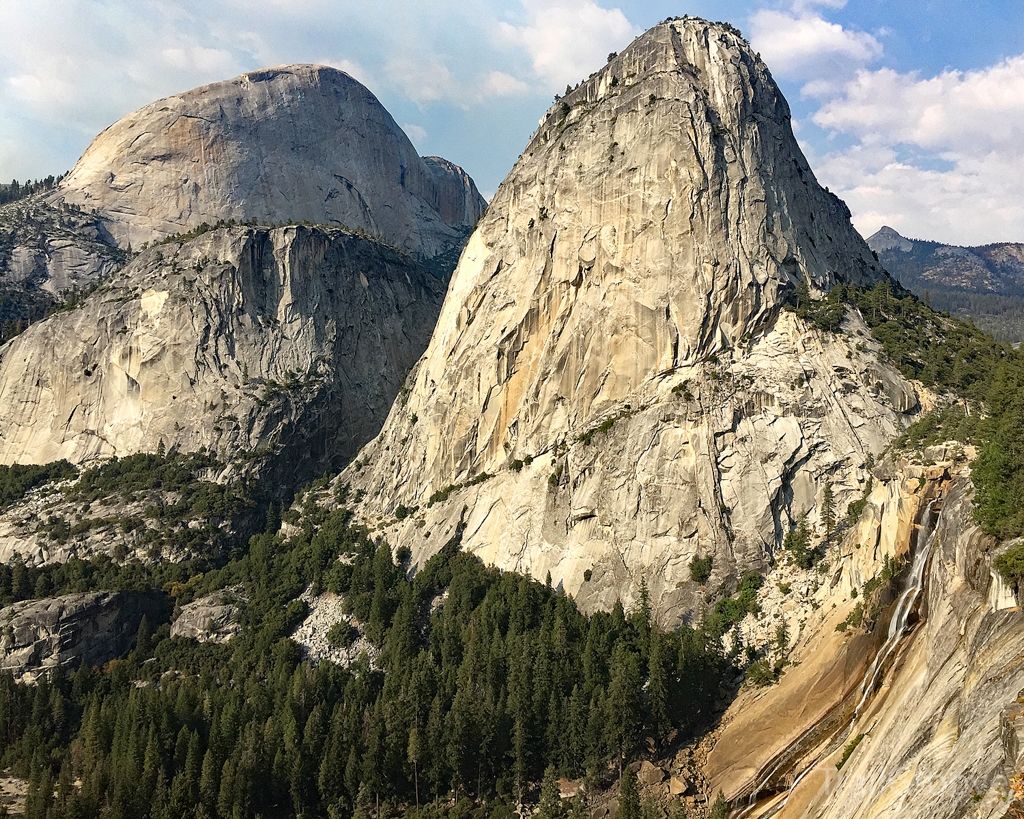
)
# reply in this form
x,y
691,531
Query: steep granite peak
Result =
x,y
624,290
887,238
293,143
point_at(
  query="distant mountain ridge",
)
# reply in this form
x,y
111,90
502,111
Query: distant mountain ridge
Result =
x,y
984,284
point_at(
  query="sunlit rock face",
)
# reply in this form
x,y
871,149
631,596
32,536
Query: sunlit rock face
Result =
x,y
612,349
939,734
251,342
286,144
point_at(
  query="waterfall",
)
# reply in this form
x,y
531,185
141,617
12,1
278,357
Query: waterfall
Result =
x,y
904,607
897,626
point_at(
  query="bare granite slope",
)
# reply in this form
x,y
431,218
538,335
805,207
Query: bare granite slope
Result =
x,y
612,386
289,341
291,143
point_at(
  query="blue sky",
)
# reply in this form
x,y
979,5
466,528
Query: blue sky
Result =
x,y
911,110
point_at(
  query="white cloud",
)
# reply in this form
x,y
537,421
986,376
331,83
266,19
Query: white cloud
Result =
x,y
74,65
567,40
193,57
803,46
974,111
417,133
939,157
427,79
500,84
424,78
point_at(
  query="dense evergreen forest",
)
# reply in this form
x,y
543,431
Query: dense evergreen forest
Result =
x,y
21,190
483,680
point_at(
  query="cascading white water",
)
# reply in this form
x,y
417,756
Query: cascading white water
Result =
x,y
897,625
905,605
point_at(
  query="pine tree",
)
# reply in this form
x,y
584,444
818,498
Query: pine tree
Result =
x,y
151,765
550,806
579,808
414,752
649,809
641,616
720,810
629,796
362,808
828,513
158,801
676,810
39,799
209,782
657,687
622,707
226,794
798,543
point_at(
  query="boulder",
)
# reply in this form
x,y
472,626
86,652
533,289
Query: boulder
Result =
x,y
678,786
210,619
650,774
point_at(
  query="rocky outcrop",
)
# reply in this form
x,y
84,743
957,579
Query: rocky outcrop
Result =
x,y
612,386
888,239
936,744
937,734
47,252
211,619
767,731
312,634
247,341
286,144
66,631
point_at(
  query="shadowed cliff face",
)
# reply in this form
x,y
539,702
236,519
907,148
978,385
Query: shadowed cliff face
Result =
x,y
92,628
292,341
293,143
611,346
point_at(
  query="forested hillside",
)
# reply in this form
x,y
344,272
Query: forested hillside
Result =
x,y
984,285
482,681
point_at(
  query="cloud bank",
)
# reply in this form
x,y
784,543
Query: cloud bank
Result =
x,y
932,156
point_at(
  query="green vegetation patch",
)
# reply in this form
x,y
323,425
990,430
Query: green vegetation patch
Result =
x,y
851,746
954,357
729,611
700,568
441,495
1010,564
484,681
181,474
17,480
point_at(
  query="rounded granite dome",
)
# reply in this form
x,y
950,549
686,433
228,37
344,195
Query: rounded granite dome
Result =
x,y
293,143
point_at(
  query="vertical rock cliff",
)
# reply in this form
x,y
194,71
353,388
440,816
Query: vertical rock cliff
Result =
x,y
934,727
291,342
612,387
288,342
